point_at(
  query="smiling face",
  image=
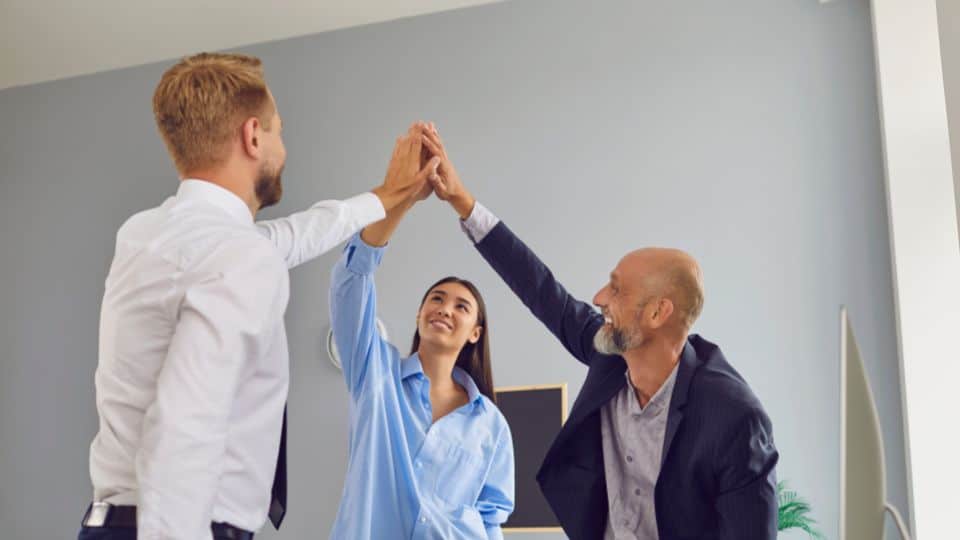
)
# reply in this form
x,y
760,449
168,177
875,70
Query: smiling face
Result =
x,y
448,317
651,291
622,301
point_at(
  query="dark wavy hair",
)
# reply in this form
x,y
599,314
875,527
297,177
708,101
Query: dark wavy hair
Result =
x,y
474,358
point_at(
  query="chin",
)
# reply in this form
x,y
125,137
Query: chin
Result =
x,y
438,339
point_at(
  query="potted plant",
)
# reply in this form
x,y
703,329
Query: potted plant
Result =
x,y
794,513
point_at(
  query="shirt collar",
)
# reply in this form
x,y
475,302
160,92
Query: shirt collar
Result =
x,y
660,399
466,381
412,366
194,189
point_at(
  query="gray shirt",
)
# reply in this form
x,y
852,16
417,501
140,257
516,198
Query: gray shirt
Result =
x,y
632,448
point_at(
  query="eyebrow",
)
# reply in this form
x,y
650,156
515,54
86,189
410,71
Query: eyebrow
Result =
x,y
444,293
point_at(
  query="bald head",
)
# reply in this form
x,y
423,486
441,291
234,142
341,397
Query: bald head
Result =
x,y
667,273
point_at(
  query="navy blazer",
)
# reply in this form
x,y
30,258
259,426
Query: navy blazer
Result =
x,y
717,478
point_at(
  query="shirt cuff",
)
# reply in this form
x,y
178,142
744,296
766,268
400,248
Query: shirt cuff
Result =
x,y
366,208
479,223
362,258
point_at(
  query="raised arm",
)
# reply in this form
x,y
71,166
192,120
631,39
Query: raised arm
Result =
x,y
572,321
353,299
305,235
353,314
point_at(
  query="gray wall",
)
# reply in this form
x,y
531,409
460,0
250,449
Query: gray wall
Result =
x,y
745,132
948,17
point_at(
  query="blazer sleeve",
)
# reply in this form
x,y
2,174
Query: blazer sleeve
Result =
x,y
572,321
747,480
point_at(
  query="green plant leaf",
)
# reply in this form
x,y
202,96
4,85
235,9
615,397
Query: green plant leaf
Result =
x,y
794,513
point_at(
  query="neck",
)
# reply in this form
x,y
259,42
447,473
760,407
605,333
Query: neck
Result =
x,y
233,180
438,365
651,363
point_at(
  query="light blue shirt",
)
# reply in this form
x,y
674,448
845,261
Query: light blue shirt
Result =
x,y
408,477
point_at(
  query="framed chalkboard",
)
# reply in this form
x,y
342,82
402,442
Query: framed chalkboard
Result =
x,y
535,415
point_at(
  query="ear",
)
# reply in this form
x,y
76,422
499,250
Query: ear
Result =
x,y
475,335
662,311
250,132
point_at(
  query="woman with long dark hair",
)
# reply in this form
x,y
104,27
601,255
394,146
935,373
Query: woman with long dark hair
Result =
x,y
431,456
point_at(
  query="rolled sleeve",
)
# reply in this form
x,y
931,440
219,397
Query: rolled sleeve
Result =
x,y
496,500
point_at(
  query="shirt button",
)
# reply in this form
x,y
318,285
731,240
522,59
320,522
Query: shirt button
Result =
x,y
423,519
626,523
636,492
630,459
419,464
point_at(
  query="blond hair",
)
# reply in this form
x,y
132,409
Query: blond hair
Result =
x,y
202,101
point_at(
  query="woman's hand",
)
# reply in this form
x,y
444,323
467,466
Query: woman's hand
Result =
x,y
406,178
405,184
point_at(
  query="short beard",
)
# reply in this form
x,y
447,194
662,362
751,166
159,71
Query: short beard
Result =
x,y
269,188
610,340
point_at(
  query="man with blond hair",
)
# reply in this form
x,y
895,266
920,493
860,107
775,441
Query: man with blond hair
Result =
x,y
192,376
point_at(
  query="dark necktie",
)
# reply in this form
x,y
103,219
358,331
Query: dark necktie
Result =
x,y
278,499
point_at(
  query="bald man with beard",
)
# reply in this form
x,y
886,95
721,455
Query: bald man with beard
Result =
x,y
665,440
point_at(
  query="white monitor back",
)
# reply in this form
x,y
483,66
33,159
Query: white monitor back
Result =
x,y
862,471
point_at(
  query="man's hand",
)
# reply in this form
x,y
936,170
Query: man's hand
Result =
x,y
406,178
445,181
406,184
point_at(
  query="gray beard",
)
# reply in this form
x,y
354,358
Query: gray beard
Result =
x,y
614,341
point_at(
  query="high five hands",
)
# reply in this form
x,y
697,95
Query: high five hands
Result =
x,y
418,167
441,176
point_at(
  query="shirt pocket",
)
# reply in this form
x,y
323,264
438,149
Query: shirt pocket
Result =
x,y
460,476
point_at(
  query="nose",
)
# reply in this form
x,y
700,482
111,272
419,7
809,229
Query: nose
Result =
x,y
599,299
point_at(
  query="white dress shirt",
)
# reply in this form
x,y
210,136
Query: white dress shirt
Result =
x,y
193,373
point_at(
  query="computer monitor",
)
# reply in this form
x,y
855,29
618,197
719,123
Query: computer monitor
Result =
x,y
863,492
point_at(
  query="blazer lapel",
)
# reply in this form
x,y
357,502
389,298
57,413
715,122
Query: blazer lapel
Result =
x,y
594,396
602,392
688,365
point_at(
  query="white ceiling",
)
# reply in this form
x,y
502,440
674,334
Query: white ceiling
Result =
x,y
42,40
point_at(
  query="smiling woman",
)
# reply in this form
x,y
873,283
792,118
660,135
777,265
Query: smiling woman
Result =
x,y
431,456
453,313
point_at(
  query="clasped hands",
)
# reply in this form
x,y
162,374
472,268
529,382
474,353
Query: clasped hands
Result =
x,y
420,166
